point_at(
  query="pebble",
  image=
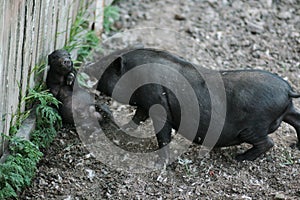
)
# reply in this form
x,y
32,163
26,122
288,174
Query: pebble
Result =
x,y
255,27
279,196
285,15
179,17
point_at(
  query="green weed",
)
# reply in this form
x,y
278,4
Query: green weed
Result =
x,y
287,158
82,39
185,163
111,14
19,167
48,120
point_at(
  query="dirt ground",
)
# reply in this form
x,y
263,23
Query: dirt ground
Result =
x,y
261,34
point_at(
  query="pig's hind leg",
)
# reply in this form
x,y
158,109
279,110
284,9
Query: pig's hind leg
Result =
x,y
292,117
140,115
261,143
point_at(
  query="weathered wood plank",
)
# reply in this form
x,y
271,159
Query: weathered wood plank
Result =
x,y
71,4
108,2
54,24
19,62
99,14
34,45
11,64
61,25
9,45
41,38
5,47
75,9
28,46
3,40
46,26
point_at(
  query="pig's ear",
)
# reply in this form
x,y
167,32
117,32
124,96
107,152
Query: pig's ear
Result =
x,y
119,64
49,59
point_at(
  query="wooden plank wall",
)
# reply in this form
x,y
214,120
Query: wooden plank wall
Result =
x,y
30,30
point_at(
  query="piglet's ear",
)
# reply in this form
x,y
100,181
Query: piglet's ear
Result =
x,y
49,59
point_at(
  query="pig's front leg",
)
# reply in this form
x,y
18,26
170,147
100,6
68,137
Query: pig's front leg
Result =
x,y
70,78
140,115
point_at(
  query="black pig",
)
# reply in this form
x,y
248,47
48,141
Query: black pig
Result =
x,y
256,101
60,81
61,72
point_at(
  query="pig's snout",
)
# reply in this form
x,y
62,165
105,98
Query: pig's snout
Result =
x,y
67,62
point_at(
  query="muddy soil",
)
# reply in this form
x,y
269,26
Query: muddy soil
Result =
x,y
261,34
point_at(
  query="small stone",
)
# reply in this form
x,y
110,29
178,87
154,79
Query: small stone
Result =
x,y
118,25
255,54
68,197
279,196
42,182
285,15
269,3
147,16
295,34
179,17
91,174
255,27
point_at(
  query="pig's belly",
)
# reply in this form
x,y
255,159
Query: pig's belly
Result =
x,y
228,137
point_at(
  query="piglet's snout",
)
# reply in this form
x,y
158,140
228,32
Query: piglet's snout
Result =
x,y
68,62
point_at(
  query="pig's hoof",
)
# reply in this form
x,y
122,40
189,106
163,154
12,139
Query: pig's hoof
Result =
x,y
163,157
245,156
69,82
240,157
161,163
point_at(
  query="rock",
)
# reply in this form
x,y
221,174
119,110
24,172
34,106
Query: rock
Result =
x,y
269,3
255,27
280,196
147,16
118,25
91,174
285,15
179,17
